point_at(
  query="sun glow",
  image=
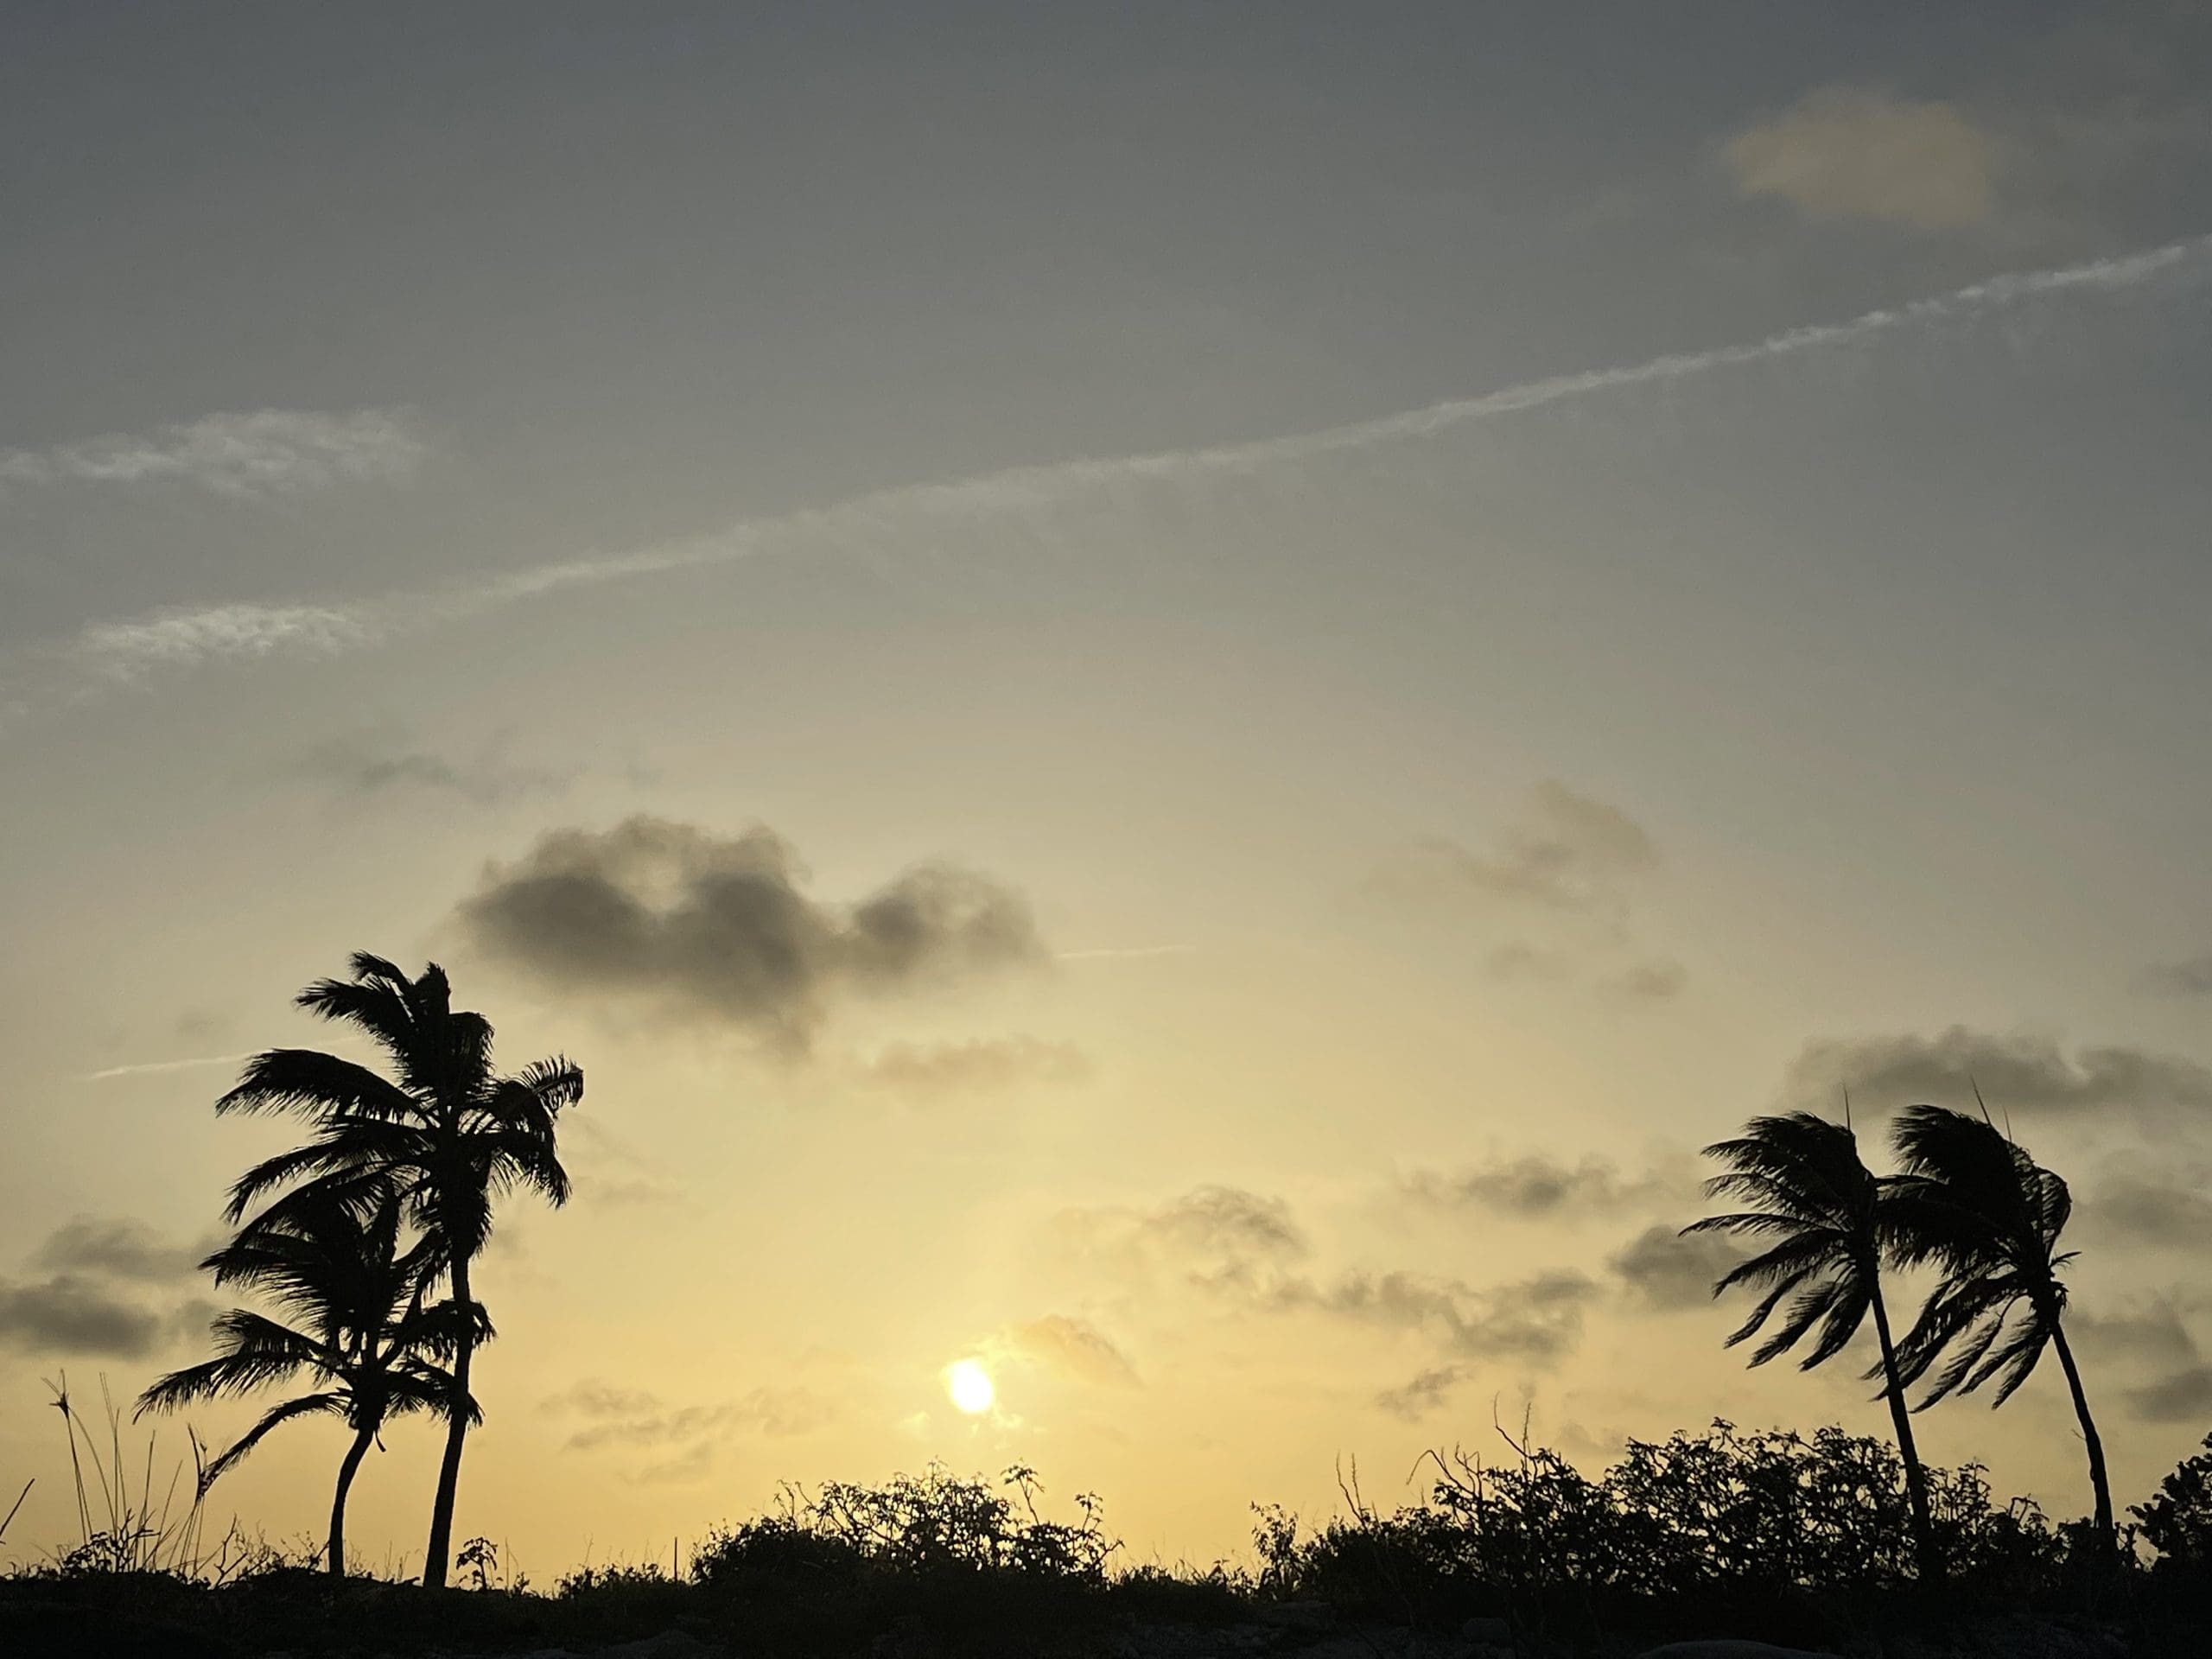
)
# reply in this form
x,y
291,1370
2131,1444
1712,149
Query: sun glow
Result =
x,y
969,1386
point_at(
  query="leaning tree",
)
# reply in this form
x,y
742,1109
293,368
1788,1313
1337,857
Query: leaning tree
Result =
x,y
445,1135
1825,1219
1971,1204
358,1327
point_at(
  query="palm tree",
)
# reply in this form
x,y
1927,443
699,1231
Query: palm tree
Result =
x,y
1826,1216
1971,1203
361,1330
446,1137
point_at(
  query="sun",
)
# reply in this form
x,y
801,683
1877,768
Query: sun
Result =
x,y
969,1386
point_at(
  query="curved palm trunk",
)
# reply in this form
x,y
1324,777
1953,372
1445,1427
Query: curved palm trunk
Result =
x,y
1916,1478
2099,1484
439,1551
346,1473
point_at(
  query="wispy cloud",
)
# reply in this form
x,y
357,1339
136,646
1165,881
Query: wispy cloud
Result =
x,y
267,452
1851,152
1123,953
180,638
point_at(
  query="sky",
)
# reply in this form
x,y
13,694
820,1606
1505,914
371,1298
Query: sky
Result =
x,y
1344,631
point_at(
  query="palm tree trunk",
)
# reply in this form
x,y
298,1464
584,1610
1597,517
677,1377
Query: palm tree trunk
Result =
x,y
1916,1478
345,1471
440,1549
2100,1483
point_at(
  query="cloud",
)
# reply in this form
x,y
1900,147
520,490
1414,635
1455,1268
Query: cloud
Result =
x,y
100,1274
636,1419
611,1174
1074,1346
118,1249
1226,1222
1425,1393
2016,1074
184,637
1567,853
1664,1270
717,928
1537,1319
1650,981
71,1314
1535,1187
1559,881
2151,1332
1847,152
2145,1211
2192,977
1030,492
268,452
362,763
2181,1396
976,1066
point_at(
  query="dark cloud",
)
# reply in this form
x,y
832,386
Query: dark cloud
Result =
x,y
977,1066
117,1249
2015,1074
1074,1346
112,1287
1426,1392
718,927
71,1314
1536,1319
1537,1187
2150,1332
2180,1397
2189,978
2137,1210
1665,1271
366,764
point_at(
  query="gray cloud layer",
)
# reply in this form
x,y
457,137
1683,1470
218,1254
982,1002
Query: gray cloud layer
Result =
x,y
2016,1073
717,928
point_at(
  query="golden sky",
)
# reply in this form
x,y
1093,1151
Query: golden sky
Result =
x,y
1167,704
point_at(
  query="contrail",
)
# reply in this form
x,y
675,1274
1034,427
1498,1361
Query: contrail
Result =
x,y
147,1068
123,650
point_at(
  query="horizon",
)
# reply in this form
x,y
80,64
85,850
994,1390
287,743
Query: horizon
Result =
x,y
1170,705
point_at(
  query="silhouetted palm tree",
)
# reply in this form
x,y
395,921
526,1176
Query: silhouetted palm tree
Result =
x,y
1971,1203
445,1139
360,1328
1825,1216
